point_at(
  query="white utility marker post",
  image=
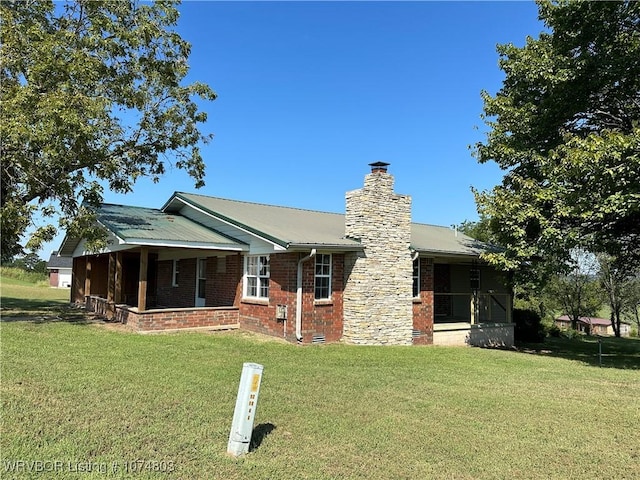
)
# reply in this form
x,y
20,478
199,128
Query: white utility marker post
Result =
x,y
245,411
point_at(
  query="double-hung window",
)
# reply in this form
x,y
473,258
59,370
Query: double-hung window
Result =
x,y
257,276
323,277
416,278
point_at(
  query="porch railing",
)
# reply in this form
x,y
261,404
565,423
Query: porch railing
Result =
x,y
465,308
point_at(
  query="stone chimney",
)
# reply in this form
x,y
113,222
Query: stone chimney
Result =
x,y
378,284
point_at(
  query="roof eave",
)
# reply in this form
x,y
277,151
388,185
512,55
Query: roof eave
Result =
x,y
446,253
68,246
324,246
188,245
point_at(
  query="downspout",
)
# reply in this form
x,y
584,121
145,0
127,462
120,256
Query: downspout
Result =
x,y
299,295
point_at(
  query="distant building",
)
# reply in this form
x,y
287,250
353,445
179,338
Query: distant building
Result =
x,y
59,269
593,325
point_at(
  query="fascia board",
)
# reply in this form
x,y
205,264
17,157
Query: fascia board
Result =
x,y
444,253
199,246
320,246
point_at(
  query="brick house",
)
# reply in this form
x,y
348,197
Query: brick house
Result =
x,y
370,276
593,325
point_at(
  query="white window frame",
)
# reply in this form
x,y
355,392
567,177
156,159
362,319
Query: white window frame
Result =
x,y
261,280
416,278
201,281
175,272
322,274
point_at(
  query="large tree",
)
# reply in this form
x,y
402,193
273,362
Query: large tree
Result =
x,y
576,293
631,308
91,97
565,128
621,284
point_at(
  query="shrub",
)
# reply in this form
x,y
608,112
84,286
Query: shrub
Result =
x,y
23,275
554,331
528,326
571,334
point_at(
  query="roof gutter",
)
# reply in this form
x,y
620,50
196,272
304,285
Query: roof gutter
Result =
x,y
299,295
303,247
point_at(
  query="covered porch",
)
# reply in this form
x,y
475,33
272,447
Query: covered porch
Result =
x,y
471,305
157,271
152,289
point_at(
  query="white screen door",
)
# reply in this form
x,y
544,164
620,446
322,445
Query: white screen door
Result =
x,y
201,282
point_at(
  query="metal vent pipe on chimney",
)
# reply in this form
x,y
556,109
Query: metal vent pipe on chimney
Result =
x,y
379,167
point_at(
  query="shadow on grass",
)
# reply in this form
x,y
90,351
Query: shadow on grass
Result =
x,y
260,432
608,352
40,311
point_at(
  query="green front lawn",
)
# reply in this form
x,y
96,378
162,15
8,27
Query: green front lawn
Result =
x,y
21,298
94,398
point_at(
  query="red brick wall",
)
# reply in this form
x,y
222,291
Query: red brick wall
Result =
x,y
163,319
318,318
260,316
183,295
164,289
423,307
172,319
222,287
323,317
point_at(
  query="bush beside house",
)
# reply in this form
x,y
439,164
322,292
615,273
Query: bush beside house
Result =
x,y
528,326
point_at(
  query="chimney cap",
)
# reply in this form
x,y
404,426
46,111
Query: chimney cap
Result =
x,y
379,166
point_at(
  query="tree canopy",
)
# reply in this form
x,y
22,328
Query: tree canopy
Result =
x,y
92,97
565,128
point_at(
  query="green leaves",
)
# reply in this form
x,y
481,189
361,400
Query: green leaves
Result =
x,y
89,92
564,127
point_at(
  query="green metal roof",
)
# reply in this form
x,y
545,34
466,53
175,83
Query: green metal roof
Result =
x,y
293,227
434,239
285,226
148,225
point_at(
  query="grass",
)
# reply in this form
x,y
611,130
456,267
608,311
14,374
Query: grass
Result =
x,y
23,276
23,298
92,397
595,351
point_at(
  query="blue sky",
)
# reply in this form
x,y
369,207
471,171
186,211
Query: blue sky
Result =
x,y
310,93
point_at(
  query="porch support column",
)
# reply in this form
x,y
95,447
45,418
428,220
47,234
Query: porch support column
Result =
x,y
111,284
474,310
117,296
142,281
111,279
87,277
509,308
